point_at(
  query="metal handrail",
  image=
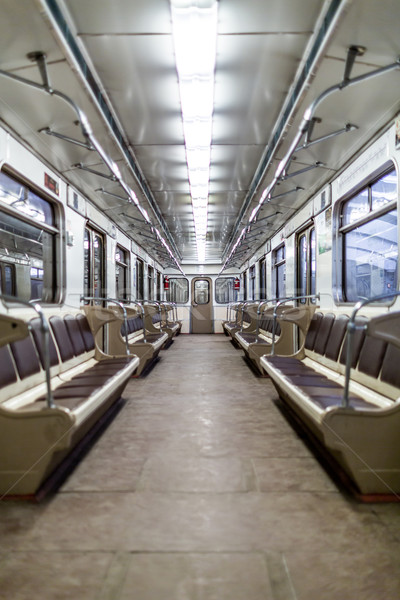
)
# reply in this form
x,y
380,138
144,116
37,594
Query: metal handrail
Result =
x,y
44,327
275,314
260,306
243,308
140,305
351,328
121,305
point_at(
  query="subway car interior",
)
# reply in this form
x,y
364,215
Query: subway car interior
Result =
x,y
199,299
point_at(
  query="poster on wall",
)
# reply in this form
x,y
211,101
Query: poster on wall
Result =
x,y
324,231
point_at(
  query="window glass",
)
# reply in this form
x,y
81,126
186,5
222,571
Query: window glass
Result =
x,y
370,257
121,273
139,279
159,291
252,275
28,243
224,290
150,282
201,291
313,261
178,290
356,208
7,279
20,198
279,272
263,279
384,191
244,275
302,265
94,265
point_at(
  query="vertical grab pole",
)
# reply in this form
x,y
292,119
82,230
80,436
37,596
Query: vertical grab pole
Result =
x,y
351,328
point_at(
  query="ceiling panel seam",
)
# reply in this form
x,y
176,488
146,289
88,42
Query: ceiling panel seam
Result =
x,y
289,106
86,72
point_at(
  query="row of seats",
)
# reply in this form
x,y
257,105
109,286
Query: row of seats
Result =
x,y
361,436
260,329
357,430
38,432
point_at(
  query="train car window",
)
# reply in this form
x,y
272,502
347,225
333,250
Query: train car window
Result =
x,y
7,279
369,240
150,283
139,279
245,285
159,291
306,263
178,290
262,266
224,290
94,265
122,273
201,291
313,263
252,277
28,242
279,272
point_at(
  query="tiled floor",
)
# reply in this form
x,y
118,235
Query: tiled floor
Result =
x,y
200,490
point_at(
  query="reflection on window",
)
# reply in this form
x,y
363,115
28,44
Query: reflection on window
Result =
x,y
224,290
201,291
150,282
369,240
371,256
279,272
178,290
121,273
27,243
252,276
93,253
7,279
139,279
263,279
306,264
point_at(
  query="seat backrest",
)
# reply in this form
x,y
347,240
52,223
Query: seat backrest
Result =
x,y
7,369
37,335
25,357
313,330
323,333
391,366
86,332
62,337
75,334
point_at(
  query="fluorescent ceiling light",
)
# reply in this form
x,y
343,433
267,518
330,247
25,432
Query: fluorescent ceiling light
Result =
x,y
194,26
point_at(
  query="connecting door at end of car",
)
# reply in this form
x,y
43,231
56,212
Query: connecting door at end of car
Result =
x,y
202,308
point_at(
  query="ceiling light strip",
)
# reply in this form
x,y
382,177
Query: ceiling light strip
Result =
x,y
195,40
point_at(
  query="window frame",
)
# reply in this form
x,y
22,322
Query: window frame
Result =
x,y
125,266
340,288
53,253
169,291
277,263
230,290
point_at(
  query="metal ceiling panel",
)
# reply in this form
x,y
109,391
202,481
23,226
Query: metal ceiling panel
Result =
x,y
98,17
236,16
143,88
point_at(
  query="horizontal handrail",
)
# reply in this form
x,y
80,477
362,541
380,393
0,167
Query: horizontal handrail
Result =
x,y
351,328
44,328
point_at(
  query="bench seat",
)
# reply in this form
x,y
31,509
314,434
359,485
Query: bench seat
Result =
x,y
362,437
34,437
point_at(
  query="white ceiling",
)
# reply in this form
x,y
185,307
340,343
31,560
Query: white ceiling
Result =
x,y
261,49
